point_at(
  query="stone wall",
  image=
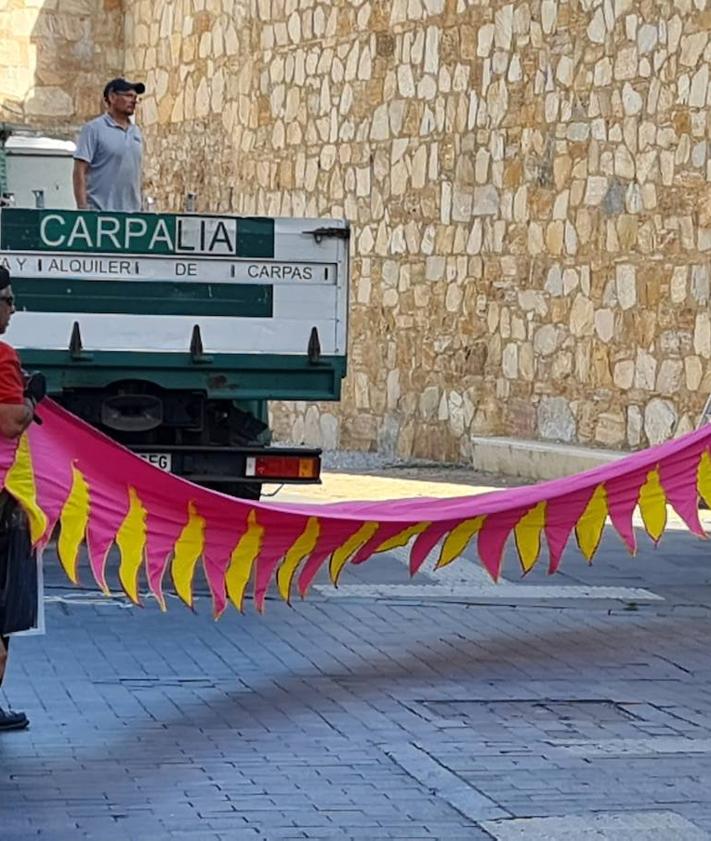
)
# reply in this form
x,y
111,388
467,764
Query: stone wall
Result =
x,y
55,58
528,184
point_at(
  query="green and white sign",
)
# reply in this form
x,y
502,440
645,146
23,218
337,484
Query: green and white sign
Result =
x,y
158,234
141,282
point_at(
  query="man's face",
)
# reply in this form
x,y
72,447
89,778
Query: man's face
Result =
x,y
123,102
7,307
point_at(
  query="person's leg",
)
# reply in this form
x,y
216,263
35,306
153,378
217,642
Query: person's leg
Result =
x,y
4,644
9,720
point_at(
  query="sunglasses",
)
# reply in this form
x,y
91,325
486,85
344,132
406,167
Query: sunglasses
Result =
x,y
8,299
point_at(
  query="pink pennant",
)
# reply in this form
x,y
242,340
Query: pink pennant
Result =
x,y
562,515
425,543
492,539
622,498
678,478
278,538
334,533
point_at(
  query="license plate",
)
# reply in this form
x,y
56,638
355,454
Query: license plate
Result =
x,y
162,460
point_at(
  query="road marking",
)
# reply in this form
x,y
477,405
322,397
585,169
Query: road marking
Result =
x,y
604,826
467,580
633,747
505,591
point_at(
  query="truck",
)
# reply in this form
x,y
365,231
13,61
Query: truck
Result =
x,y
171,332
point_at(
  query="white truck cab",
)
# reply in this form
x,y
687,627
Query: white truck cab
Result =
x,y
38,171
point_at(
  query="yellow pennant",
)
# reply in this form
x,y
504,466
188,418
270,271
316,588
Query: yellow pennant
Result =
x,y
458,539
131,541
590,525
344,552
20,483
302,547
527,534
703,477
73,522
653,506
403,537
242,560
188,549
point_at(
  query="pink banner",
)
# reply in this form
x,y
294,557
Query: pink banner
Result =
x,y
68,475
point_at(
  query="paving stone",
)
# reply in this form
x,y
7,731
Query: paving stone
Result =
x,y
327,720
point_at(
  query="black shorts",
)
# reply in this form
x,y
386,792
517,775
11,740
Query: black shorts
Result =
x,y
18,570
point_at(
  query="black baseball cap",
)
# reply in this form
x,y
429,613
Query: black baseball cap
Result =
x,y
4,277
122,86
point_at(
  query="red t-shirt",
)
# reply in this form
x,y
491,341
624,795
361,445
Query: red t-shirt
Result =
x,y
11,383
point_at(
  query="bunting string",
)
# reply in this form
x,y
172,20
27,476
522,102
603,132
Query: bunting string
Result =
x,y
68,476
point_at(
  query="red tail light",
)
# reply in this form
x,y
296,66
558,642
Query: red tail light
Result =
x,y
283,467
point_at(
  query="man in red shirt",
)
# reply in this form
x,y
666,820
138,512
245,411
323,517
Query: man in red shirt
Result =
x,y
16,414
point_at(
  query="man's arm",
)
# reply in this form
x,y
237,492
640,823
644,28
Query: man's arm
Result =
x,y
83,156
18,397
15,418
79,179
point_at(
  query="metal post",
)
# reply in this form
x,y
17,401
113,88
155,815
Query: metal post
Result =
x,y
190,202
39,198
5,132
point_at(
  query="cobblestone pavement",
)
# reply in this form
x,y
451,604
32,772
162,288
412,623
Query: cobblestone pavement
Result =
x,y
576,707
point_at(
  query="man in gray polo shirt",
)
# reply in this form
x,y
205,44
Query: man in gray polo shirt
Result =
x,y
109,153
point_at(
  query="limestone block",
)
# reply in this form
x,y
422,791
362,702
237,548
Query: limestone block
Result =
x,y
692,46
565,71
670,376
698,90
602,74
610,429
503,28
595,189
555,420
562,365
700,286
625,67
693,372
597,29
434,268
647,38
634,426
702,335
623,374
429,402
645,371
49,102
509,361
312,427
626,286
532,300
632,101
554,280
582,316
485,40
329,431
453,298
486,201
604,325
546,339
660,418
536,243
526,361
